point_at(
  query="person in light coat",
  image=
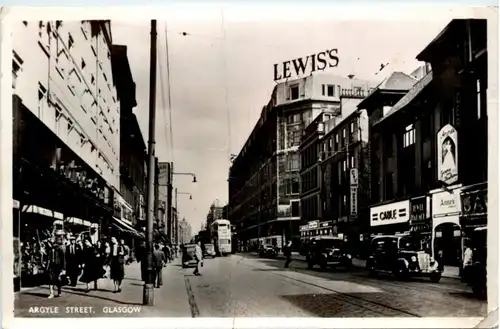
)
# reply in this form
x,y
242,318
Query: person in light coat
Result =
x,y
199,258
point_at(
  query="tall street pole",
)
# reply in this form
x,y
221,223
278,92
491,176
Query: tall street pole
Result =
x,y
148,291
176,221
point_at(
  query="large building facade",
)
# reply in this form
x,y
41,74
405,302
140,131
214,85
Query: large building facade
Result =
x,y
66,129
430,148
264,180
132,146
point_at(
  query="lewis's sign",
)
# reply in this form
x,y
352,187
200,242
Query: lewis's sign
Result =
x,y
306,65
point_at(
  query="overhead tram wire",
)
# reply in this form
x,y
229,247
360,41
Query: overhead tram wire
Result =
x,y
226,86
168,141
171,130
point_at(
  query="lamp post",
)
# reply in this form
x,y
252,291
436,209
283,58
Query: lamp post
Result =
x,y
176,224
148,290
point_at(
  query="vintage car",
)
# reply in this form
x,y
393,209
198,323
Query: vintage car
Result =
x,y
209,250
188,255
402,256
327,251
268,250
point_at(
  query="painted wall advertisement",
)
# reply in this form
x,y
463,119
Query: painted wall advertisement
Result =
x,y
393,213
447,155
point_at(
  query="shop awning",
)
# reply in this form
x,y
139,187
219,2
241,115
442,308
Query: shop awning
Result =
x,y
127,228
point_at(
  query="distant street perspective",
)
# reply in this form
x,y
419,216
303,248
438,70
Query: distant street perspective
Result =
x,y
354,188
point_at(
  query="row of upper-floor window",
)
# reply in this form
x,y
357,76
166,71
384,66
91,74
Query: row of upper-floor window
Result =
x,y
309,180
335,142
328,90
72,67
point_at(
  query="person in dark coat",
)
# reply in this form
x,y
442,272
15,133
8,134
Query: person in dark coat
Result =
x,y
73,261
56,265
287,251
92,266
159,260
117,262
166,251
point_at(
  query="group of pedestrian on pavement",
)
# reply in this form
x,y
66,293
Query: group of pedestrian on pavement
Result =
x,y
70,261
162,255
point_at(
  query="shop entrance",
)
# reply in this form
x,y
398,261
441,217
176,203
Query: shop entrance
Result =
x,y
448,244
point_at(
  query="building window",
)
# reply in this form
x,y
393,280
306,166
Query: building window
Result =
x,y
293,162
295,205
352,127
331,91
352,162
336,142
294,92
409,136
295,185
388,186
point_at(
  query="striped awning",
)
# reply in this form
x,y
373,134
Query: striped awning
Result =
x,y
124,227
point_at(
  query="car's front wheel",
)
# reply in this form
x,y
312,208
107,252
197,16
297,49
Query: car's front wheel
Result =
x,y
435,277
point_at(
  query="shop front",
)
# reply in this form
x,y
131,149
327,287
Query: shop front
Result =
x,y
314,229
446,228
389,219
474,219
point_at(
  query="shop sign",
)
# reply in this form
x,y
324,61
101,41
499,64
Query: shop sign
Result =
x,y
325,224
447,153
475,203
16,204
354,179
393,213
354,201
306,65
303,228
446,204
419,210
313,225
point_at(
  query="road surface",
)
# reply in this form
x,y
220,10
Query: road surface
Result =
x,y
244,285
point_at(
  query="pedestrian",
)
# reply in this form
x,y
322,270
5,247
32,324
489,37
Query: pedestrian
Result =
x,y
92,267
73,261
198,254
56,264
116,264
287,251
126,248
159,260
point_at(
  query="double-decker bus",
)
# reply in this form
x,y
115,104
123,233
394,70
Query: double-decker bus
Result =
x,y
220,231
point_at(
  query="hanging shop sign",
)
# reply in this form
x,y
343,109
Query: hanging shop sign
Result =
x,y
306,65
393,213
447,153
354,201
353,177
420,214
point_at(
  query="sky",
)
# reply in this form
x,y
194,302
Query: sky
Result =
x,y
221,75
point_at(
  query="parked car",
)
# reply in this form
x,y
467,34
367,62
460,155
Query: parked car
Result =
x,y
475,274
188,255
401,256
209,250
268,250
327,251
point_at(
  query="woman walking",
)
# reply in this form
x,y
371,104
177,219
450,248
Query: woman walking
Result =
x,y
117,262
92,268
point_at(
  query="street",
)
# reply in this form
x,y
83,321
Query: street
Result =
x,y
248,286
244,285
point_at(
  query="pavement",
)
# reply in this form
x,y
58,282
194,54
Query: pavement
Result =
x,y
171,299
448,271
244,285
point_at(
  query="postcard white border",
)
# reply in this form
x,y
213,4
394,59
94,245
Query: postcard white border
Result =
x,y
244,12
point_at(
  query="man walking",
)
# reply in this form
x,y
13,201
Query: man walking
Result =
x,y
199,258
158,263
287,251
73,262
